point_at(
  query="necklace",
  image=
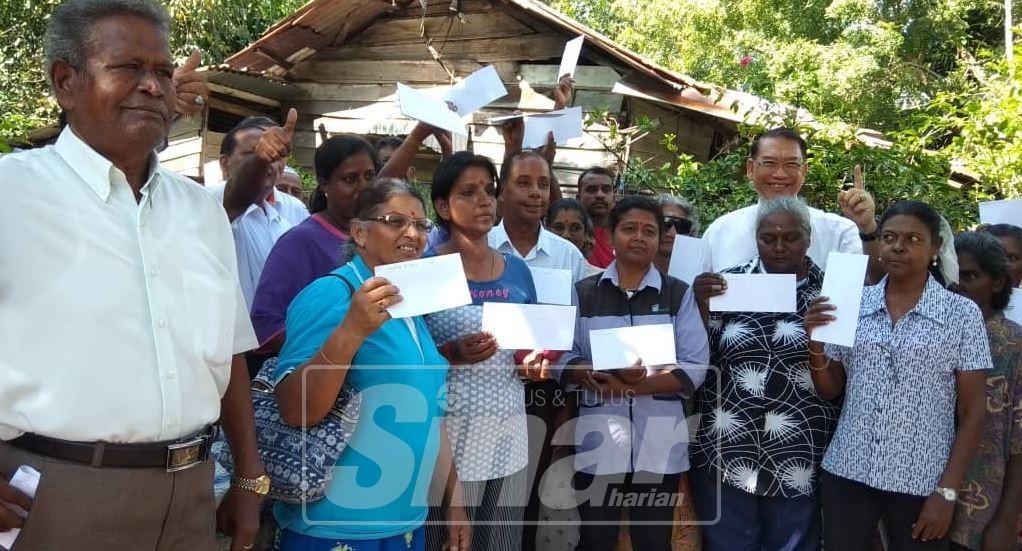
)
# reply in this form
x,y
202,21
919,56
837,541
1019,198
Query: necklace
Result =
x,y
493,264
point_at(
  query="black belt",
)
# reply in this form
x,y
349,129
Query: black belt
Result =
x,y
173,456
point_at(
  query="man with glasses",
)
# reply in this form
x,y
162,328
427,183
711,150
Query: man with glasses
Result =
x,y
777,168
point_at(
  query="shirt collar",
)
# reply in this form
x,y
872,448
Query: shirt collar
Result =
x,y
929,304
651,279
96,170
501,238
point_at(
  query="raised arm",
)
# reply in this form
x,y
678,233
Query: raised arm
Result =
x,y
247,185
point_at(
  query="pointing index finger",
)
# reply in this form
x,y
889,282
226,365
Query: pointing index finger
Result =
x,y
857,177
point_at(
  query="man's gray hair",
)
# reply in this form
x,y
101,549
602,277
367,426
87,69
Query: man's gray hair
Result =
x,y
683,204
786,205
67,32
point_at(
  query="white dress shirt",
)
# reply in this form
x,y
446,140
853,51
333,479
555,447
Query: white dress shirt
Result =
x,y
255,233
551,251
290,207
731,239
118,318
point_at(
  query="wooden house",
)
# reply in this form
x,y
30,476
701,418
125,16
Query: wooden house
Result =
x,y
337,62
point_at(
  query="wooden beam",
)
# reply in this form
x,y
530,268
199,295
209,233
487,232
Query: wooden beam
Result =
x,y
527,47
242,95
274,57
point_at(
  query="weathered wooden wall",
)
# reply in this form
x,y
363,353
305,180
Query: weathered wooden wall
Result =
x,y
349,88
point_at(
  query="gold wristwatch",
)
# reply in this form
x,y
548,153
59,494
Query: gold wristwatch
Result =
x,y
259,485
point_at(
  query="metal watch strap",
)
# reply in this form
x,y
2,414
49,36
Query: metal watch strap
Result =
x,y
249,484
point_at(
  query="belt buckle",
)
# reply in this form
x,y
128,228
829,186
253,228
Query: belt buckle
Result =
x,y
184,455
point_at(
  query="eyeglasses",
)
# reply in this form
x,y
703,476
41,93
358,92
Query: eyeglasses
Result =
x,y
401,222
788,166
681,225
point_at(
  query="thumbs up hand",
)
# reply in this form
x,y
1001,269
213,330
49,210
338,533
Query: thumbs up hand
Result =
x,y
275,144
857,204
190,86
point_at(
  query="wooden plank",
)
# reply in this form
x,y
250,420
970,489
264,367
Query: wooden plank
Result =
x,y
181,148
243,95
185,127
441,8
532,46
493,24
587,77
382,72
234,109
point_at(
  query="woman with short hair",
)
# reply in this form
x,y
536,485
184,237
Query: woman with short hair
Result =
x,y
339,332
763,429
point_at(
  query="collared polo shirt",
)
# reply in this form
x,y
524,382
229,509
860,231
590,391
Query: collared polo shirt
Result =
x,y
648,433
897,425
731,239
118,318
551,251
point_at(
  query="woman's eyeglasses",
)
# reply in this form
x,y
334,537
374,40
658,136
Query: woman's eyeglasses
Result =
x,y
681,225
401,222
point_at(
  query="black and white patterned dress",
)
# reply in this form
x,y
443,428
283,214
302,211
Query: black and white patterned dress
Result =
x,y
762,426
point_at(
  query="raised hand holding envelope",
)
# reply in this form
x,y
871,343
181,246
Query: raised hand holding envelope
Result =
x,y
565,125
420,106
476,91
569,59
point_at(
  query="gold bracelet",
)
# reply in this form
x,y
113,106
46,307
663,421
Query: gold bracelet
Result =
x,y
825,366
816,354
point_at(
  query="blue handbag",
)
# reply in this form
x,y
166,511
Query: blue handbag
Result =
x,y
299,461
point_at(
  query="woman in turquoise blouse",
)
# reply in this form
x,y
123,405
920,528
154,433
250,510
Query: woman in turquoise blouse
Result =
x,y
339,332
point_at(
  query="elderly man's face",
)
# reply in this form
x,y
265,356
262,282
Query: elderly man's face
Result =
x,y
122,100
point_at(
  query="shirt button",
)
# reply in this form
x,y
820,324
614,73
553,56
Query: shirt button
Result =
x,y
171,374
153,272
162,322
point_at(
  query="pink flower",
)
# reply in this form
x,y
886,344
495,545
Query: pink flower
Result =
x,y
746,59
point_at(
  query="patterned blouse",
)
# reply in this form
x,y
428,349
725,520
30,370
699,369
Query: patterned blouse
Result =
x,y
898,423
486,421
762,426
980,493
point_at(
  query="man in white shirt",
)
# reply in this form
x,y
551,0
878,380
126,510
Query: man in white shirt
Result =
x,y
524,200
777,168
121,319
524,196
258,214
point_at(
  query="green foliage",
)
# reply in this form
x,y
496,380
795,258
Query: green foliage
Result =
x,y
899,172
857,60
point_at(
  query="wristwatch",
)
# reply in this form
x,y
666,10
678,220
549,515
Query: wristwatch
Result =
x,y
259,485
868,236
947,493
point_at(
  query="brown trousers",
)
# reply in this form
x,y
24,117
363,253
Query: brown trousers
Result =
x,y
81,508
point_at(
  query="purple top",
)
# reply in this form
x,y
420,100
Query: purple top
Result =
x,y
305,252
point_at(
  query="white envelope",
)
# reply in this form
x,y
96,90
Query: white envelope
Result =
x,y
530,326
686,258
1008,211
477,90
623,346
756,293
565,124
427,285
423,107
569,59
843,284
553,286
